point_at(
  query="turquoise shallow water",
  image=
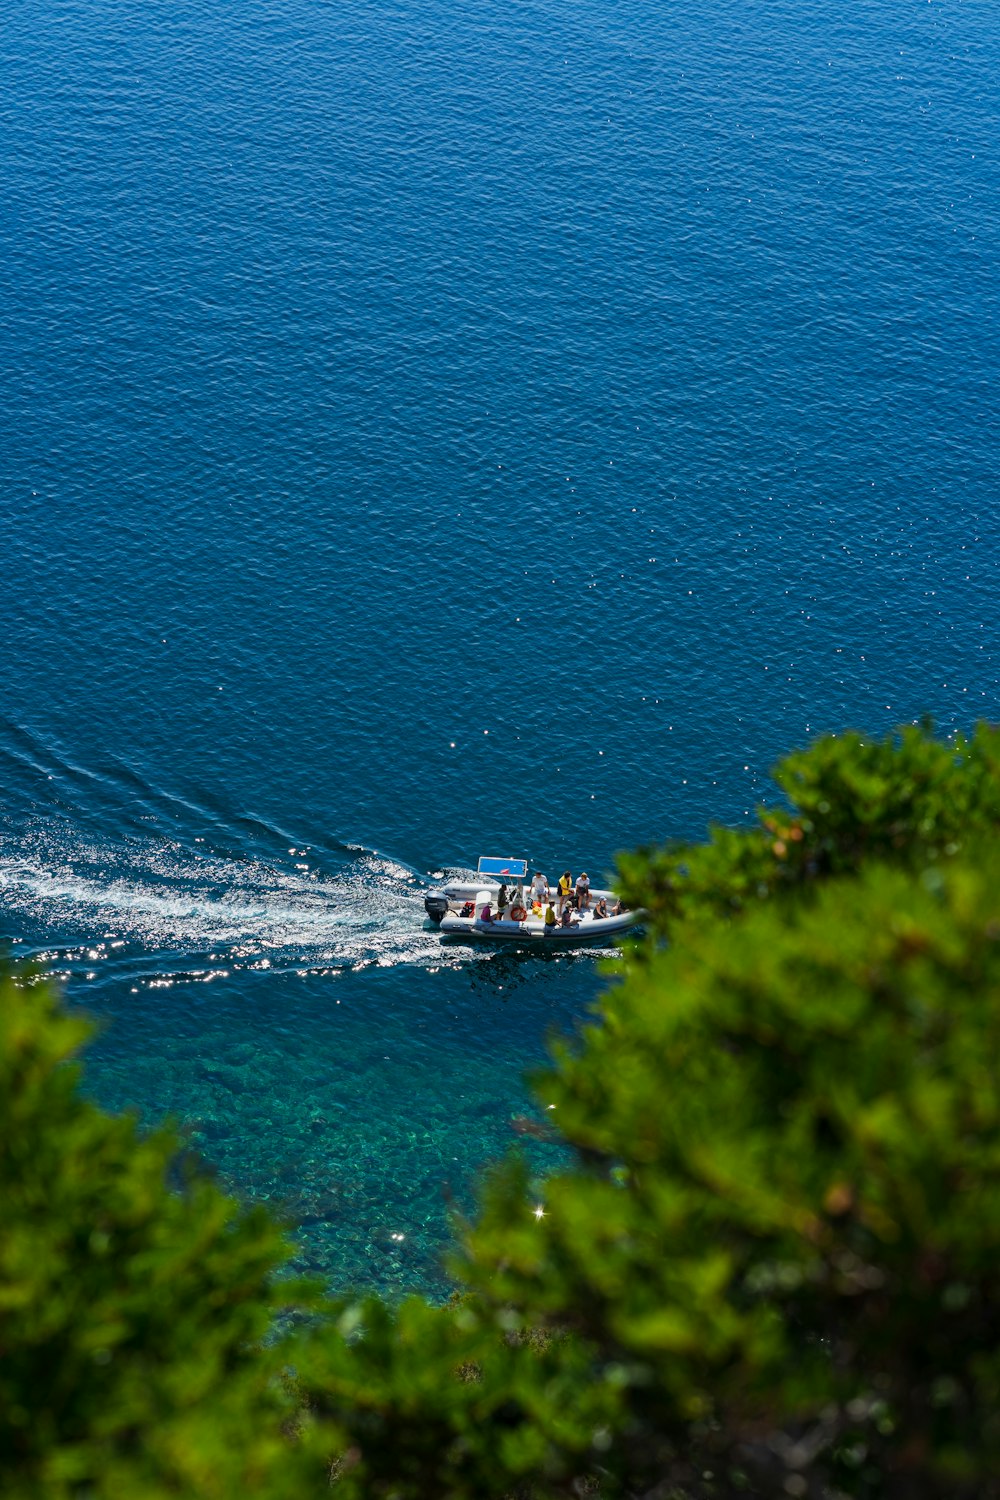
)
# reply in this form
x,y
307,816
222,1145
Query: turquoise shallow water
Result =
x,y
359,1109
432,429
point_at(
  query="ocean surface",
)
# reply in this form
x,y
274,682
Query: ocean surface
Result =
x,y
435,428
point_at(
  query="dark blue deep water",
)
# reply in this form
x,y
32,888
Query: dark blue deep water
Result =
x,y
432,428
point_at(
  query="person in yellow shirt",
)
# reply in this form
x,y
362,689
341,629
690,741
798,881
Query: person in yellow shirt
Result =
x,y
565,888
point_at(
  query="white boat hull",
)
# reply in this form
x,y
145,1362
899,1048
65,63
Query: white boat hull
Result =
x,y
586,928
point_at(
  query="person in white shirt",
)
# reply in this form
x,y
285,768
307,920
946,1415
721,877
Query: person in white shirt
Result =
x,y
539,888
582,891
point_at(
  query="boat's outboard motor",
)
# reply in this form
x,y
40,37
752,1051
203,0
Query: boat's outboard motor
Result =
x,y
436,905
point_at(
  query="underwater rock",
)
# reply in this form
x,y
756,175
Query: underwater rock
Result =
x,y
538,1130
215,1071
314,1208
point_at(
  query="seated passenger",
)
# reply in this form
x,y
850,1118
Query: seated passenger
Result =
x,y
550,918
539,888
583,891
619,908
486,915
567,919
601,909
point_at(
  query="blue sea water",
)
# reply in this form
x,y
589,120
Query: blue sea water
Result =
x,y
434,428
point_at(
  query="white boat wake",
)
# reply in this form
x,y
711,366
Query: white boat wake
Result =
x,y
69,899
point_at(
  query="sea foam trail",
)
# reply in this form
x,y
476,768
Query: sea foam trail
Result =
x,y
59,892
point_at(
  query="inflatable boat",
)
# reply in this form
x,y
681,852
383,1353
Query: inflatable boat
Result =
x,y
468,909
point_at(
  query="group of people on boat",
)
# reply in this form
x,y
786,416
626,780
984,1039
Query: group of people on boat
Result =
x,y
571,899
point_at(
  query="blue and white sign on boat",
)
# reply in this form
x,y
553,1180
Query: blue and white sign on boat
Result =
x,y
511,869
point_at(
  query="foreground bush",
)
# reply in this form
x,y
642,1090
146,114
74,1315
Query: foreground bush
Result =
x,y
461,1401
131,1311
786,1233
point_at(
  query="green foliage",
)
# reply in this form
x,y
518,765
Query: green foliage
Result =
x,y
459,1401
787,1233
131,1314
907,798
